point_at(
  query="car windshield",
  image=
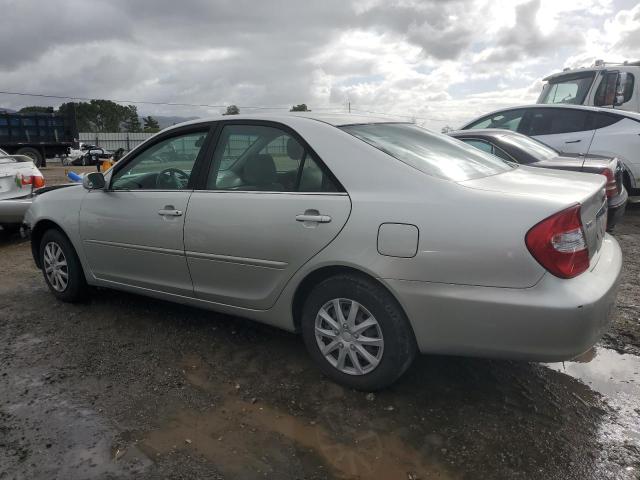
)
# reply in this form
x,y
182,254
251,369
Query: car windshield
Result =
x,y
571,88
432,153
534,148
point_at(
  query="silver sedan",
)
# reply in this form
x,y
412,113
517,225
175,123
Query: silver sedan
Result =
x,y
375,240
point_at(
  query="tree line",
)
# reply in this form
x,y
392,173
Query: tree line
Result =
x,y
108,116
103,116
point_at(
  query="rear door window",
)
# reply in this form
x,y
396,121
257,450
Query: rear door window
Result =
x,y
552,121
265,158
602,120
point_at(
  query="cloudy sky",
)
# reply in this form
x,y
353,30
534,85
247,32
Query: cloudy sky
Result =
x,y
440,61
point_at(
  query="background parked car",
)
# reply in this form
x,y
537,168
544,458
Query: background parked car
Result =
x,y
576,129
525,150
92,155
19,178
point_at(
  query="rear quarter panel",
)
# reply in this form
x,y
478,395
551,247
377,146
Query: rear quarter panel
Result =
x,y
622,140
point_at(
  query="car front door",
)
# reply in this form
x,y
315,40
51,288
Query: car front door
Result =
x,y
567,130
268,205
132,232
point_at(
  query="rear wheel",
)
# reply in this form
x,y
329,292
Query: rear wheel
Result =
x,y
357,333
61,267
32,153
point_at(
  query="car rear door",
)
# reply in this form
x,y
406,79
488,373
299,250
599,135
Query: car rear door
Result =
x,y
132,232
568,130
267,206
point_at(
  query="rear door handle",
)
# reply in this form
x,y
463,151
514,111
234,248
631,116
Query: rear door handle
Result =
x,y
313,218
573,141
169,211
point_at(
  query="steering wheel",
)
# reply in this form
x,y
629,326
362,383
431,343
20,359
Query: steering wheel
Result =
x,y
171,179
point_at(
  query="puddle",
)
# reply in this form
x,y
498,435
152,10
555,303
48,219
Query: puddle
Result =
x,y
249,439
616,377
46,435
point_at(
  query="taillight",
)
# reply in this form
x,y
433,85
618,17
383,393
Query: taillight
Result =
x,y
612,185
36,181
558,243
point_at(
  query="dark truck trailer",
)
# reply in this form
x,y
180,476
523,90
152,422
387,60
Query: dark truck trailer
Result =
x,y
38,135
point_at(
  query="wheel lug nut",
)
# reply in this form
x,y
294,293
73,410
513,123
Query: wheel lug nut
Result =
x,y
353,347
341,345
344,325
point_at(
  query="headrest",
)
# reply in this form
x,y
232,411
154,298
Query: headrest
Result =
x,y
294,149
259,170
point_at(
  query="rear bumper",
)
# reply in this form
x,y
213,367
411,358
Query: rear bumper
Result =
x,y
555,320
12,211
616,207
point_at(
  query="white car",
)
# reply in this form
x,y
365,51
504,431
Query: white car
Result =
x,y
19,178
576,129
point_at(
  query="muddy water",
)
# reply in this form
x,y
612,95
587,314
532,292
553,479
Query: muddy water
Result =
x,y
243,437
617,378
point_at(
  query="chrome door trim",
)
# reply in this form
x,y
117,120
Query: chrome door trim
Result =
x,y
255,262
144,248
336,194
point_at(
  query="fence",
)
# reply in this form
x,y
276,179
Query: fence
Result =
x,y
114,141
237,143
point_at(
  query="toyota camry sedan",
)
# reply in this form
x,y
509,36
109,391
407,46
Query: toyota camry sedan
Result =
x,y
375,240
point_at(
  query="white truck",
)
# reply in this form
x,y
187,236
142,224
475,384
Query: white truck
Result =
x,y
605,84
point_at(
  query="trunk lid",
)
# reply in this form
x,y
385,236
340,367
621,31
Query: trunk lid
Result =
x,y
558,189
10,170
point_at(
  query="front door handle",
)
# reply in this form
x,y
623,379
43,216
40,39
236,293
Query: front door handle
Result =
x,y
169,211
573,141
315,218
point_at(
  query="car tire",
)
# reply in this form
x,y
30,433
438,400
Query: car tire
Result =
x,y
33,154
66,280
375,307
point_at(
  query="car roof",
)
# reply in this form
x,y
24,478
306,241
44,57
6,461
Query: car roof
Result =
x,y
624,113
335,119
573,71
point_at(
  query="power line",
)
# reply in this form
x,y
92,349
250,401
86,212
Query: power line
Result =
x,y
62,97
143,102
246,107
401,116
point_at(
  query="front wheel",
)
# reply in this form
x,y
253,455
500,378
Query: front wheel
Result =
x,y
357,333
61,267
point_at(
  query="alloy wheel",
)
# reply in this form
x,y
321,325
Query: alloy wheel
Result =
x,y
55,267
349,336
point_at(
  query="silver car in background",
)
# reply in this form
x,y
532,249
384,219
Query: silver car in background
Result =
x,y
376,240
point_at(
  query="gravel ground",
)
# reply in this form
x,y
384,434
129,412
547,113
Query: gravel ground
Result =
x,y
128,387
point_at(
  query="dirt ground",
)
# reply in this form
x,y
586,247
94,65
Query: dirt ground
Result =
x,y
128,387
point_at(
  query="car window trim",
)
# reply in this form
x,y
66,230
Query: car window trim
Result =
x,y
201,185
203,127
494,145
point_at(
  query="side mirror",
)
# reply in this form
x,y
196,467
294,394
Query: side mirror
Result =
x,y
621,87
93,181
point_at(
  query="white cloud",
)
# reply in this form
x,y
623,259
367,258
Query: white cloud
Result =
x,y
440,61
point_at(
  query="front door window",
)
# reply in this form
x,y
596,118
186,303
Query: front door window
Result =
x,y
166,165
